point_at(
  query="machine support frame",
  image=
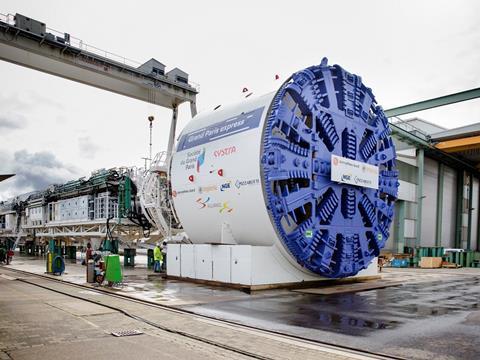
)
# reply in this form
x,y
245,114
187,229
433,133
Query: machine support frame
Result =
x,y
439,222
418,223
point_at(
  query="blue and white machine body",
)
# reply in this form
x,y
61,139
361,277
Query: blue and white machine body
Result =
x,y
306,174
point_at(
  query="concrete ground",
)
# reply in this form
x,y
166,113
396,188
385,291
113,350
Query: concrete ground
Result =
x,y
44,319
434,314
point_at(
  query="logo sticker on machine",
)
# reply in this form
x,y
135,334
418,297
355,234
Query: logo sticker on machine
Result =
x,y
240,183
220,130
225,151
225,186
354,172
207,189
208,203
194,160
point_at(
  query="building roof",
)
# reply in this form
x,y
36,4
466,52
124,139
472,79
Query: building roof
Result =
x,y
177,71
153,61
463,131
5,177
419,126
463,141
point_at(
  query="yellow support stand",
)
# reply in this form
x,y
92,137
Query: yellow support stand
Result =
x,y
49,262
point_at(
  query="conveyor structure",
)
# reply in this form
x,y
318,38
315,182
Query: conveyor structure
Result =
x,y
102,206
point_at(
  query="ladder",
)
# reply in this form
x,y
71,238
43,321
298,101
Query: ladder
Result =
x,y
18,229
154,195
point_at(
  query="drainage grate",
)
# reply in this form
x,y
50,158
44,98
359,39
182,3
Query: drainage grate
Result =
x,y
126,333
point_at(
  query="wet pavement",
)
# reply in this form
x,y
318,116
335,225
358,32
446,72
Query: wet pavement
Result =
x,y
44,319
434,318
142,283
435,314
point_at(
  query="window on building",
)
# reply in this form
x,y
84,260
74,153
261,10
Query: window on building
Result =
x,y
182,79
158,71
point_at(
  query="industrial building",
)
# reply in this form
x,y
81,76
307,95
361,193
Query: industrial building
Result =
x,y
439,187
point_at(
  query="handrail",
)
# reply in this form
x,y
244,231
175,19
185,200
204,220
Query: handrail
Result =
x,y
9,19
409,126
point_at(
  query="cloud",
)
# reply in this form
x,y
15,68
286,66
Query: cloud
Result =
x,y
39,99
28,100
14,102
87,147
33,171
12,121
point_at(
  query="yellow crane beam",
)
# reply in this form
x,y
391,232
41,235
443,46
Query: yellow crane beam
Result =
x,y
456,145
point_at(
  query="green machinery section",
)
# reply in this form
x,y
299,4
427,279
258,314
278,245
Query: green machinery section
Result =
x,y
124,197
117,182
99,181
467,258
110,245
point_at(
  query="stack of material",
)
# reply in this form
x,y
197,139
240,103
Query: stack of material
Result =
x,y
449,265
430,262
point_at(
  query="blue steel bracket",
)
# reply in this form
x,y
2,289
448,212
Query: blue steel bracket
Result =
x,y
332,229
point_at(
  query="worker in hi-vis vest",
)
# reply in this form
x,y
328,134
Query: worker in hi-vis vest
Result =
x,y
164,256
157,258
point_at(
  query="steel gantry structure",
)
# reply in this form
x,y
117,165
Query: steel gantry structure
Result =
x,y
28,42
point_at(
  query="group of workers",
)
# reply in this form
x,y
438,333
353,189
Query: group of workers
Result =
x,y
160,257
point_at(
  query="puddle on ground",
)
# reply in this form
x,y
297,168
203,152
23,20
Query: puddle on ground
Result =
x,y
355,313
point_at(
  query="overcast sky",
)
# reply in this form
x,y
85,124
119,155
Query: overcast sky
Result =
x,y
52,129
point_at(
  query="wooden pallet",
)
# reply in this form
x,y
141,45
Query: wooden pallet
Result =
x,y
448,265
295,285
347,288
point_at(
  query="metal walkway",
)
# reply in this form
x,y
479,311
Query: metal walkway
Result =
x,y
68,57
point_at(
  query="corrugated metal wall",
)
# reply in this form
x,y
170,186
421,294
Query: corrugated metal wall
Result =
x,y
390,244
449,207
429,206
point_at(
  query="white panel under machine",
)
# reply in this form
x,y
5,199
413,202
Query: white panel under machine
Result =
x,y
252,184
